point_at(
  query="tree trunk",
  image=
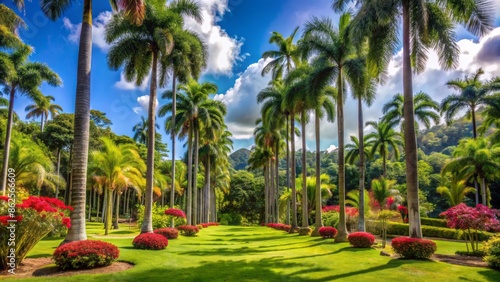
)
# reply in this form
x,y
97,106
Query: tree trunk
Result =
x,y
287,220
58,169
117,210
81,133
318,220
8,134
147,225
474,126
305,216
483,191
384,164
207,193
361,207
271,190
295,226
476,186
195,175
190,178
410,147
277,190
174,109
90,205
97,208
266,194
109,211
342,228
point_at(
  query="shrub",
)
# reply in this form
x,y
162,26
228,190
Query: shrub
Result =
x,y
327,232
492,250
188,230
160,220
438,222
361,239
150,241
85,254
169,233
230,219
204,225
175,212
413,248
330,218
200,227
36,217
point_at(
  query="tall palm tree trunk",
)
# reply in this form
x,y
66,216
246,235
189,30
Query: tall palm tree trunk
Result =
x,y
361,207
295,226
266,194
305,217
384,164
189,208
207,200
483,191
342,228
271,190
318,220
81,129
109,209
174,109
474,125
58,169
117,210
90,204
287,220
147,225
8,134
415,230
195,175
277,189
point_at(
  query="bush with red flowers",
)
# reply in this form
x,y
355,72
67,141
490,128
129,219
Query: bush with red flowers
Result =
x,y
413,248
169,233
188,230
85,254
279,226
327,232
361,239
34,218
150,241
175,212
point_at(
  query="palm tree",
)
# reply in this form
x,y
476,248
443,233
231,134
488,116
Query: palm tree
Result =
x,y
382,189
26,78
194,110
456,193
134,11
141,131
425,24
259,158
352,149
425,110
9,26
383,140
42,108
121,167
337,60
475,157
492,117
472,94
141,49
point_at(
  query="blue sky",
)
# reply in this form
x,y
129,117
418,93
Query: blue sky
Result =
x,y
237,33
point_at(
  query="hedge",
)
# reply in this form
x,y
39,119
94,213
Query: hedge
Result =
x,y
438,222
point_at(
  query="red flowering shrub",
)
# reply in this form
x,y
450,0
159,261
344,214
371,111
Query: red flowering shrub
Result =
x,y
361,239
471,221
404,212
350,211
34,218
175,212
413,248
279,226
169,233
188,230
150,241
327,232
85,254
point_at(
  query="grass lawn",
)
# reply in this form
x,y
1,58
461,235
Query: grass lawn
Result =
x,y
229,253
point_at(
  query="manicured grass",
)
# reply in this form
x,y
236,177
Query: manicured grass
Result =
x,y
228,253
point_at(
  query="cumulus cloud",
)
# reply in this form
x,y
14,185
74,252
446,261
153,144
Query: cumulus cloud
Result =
x,y
98,30
128,85
331,148
143,104
223,50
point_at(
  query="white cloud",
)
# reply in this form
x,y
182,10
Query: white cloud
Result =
x,y
98,30
127,85
223,50
144,104
331,148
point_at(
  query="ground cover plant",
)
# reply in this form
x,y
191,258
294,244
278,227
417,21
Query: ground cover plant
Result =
x,y
85,254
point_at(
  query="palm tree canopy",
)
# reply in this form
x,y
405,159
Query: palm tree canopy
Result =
x,y
383,139
43,107
285,58
426,110
456,193
352,149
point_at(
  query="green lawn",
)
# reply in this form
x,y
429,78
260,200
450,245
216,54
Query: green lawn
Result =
x,y
228,253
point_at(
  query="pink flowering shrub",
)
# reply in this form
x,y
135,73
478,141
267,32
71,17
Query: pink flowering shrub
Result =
x,y
361,239
150,241
413,248
169,233
36,217
175,212
279,226
327,232
85,254
188,230
404,213
472,220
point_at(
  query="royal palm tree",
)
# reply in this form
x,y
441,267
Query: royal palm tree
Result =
x,y
42,108
475,157
425,110
383,140
456,192
425,24
9,25
352,150
121,167
472,94
259,158
141,131
491,116
338,61
142,49
25,79
134,11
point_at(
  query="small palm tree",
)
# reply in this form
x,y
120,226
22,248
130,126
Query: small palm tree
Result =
x,y
382,189
141,131
426,110
382,140
491,118
456,192
43,108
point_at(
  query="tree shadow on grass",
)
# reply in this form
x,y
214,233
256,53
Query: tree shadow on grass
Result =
x,y
489,274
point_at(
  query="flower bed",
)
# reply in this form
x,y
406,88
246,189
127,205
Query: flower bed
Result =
x,y
413,248
188,230
169,233
327,232
150,241
85,254
361,239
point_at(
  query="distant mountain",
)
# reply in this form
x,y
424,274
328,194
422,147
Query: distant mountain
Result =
x,y
239,159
